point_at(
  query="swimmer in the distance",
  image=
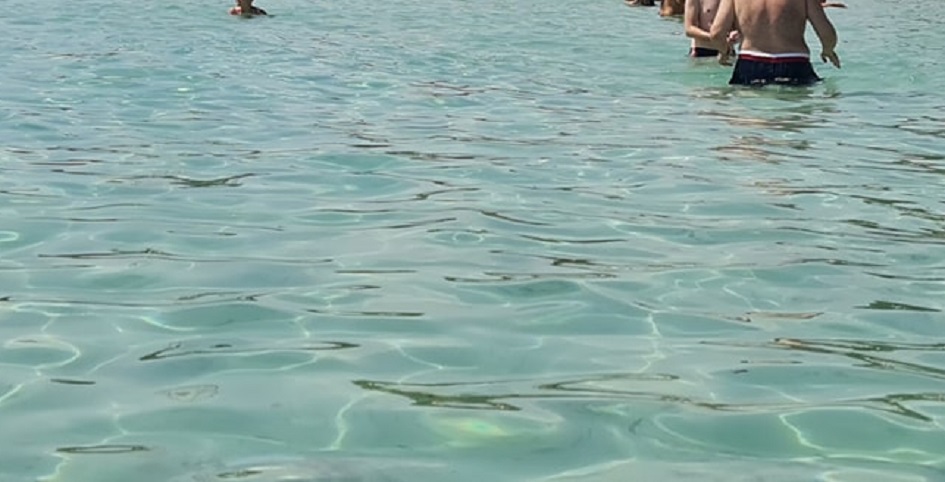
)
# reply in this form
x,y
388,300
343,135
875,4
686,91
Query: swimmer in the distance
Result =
x,y
245,8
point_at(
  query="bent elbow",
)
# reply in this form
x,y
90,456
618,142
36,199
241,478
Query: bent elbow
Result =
x,y
692,32
716,33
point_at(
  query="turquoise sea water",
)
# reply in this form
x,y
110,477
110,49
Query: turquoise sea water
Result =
x,y
515,240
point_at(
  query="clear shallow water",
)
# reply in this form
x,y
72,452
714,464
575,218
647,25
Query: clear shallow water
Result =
x,y
518,240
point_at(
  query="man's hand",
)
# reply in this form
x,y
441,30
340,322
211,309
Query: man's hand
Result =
x,y
733,37
832,57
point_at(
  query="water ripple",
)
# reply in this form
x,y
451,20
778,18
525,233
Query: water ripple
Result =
x,y
506,238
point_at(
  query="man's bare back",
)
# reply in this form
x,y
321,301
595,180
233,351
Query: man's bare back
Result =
x,y
772,26
773,49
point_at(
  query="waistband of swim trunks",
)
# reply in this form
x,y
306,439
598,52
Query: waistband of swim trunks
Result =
x,y
775,58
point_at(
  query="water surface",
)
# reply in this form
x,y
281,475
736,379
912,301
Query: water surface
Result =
x,y
510,240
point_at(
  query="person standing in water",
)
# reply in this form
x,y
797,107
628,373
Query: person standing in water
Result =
x,y
773,49
697,20
245,8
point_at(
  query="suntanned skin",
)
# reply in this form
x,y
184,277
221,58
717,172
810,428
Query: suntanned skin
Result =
x,y
671,8
775,26
698,20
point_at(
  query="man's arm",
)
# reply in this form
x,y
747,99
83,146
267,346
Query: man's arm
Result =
x,y
825,31
691,21
723,24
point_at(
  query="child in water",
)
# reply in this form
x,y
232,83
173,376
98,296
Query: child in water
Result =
x,y
245,8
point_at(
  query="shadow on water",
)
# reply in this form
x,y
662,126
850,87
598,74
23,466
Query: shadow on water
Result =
x,y
427,399
513,395
425,394
320,468
228,181
178,350
893,306
102,449
194,467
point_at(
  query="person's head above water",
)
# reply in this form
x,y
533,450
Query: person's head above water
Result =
x,y
246,9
